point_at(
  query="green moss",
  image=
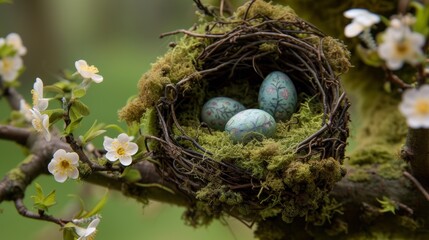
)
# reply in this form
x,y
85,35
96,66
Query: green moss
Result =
x,y
358,175
392,170
262,8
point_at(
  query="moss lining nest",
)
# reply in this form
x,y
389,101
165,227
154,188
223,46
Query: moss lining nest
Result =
x,y
286,176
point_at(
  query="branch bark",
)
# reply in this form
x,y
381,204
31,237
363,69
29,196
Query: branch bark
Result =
x,y
416,152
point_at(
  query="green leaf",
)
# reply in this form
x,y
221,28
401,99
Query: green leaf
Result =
x,y
53,89
369,57
94,131
131,175
387,205
54,115
78,92
73,125
116,127
80,108
97,207
422,18
68,234
40,201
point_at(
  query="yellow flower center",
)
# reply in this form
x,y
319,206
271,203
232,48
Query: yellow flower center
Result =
x,y
91,69
422,107
37,124
7,65
402,48
120,151
35,97
64,164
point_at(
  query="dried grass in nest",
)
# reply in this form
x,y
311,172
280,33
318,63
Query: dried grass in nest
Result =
x,y
254,45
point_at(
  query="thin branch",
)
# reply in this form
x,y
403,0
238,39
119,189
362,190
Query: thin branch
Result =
x,y
417,184
13,97
23,211
18,135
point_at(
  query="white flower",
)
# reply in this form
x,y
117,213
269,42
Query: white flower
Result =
x,y
9,67
401,45
64,165
14,40
362,19
41,123
87,71
2,42
415,107
39,102
89,232
120,148
25,110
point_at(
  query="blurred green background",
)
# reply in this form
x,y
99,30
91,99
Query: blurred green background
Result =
x,y
121,39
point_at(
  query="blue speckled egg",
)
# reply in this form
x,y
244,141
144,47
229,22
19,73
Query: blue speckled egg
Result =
x,y
250,124
217,111
277,96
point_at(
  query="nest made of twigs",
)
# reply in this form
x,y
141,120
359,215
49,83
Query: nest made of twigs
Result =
x,y
288,175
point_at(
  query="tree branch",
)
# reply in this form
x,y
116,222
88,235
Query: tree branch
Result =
x,y
18,135
13,97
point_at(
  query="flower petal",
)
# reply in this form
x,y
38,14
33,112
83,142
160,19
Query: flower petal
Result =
x,y
111,156
107,143
73,157
353,29
60,153
354,12
97,78
60,177
126,160
132,148
123,138
74,173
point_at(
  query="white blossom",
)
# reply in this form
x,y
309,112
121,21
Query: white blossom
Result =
x,y
361,19
39,102
25,110
89,232
120,148
40,122
9,67
87,71
415,107
64,165
15,41
401,45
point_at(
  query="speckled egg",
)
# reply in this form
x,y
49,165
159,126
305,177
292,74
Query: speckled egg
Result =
x,y
217,111
250,124
277,96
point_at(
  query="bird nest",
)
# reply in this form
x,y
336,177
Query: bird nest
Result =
x,y
288,175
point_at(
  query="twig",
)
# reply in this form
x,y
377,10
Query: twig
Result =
x,y
23,211
395,79
203,8
417,184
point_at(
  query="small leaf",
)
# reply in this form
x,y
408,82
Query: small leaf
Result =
x,y
97,207
73,125
369,57
68,234
54,114
53,89
40,201
78,93
80,107
94,131
50,200
116,127
131,175
422,18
